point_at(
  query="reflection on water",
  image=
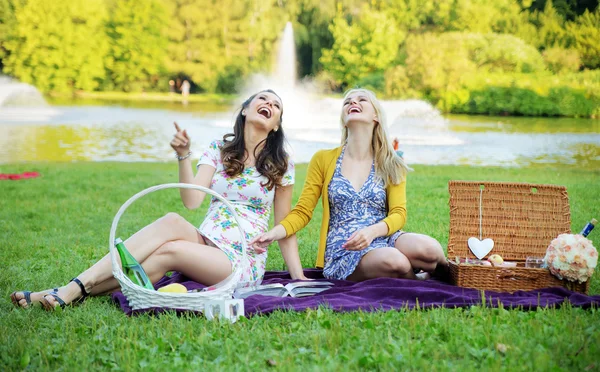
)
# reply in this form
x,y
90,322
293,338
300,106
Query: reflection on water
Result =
x,y
134,132
518,124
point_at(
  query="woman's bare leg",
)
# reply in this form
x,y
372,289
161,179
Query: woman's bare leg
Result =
x,y
424,252
383,263
141,245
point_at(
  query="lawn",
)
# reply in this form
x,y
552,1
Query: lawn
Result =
x,y
55,226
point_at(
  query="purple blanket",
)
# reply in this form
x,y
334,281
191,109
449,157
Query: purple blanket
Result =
x,y
384,294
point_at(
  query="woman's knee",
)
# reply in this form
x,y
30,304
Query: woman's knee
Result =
x,y
396,266
172,219
168,249
423,248
432,249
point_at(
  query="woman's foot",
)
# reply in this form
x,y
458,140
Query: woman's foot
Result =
x,y
73,291
26,299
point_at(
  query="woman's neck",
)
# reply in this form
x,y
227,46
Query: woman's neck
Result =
x,y
359,144
251,139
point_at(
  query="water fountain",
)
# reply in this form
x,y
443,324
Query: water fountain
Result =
x,y
312,122
21,102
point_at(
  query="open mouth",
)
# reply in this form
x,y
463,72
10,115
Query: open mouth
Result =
x,y
354,110
265,112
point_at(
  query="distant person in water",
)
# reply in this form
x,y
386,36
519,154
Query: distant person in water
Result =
x,y
171,86
185,89
362,185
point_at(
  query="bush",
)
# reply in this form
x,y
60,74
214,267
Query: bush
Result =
x,y
374,81
560,60
574,95
397,83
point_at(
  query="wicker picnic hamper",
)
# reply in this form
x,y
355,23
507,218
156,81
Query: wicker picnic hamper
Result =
x,y
142,298
521,218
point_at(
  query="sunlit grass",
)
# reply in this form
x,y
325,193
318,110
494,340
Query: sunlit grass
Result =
x,y
55,226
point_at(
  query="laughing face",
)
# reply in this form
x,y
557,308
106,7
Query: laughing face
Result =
x,y
264,111
357,107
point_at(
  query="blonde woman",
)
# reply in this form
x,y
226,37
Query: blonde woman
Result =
x,y
363,189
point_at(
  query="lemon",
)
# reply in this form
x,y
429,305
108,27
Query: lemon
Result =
x,y
173,288
496,259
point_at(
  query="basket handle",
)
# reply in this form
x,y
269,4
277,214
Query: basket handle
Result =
x,y
117,271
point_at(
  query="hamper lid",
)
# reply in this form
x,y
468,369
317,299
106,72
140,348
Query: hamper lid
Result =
x,y
521,218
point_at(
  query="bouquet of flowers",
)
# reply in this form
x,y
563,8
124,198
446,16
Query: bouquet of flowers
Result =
x,y
572,257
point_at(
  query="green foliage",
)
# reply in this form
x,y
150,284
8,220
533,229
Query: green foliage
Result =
x,y
8,23
541,94
58,46
585,34
397,83
136,53
561,60
438,63
364,45
209,40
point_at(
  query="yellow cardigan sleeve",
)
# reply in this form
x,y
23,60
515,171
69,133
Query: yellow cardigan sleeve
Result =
x,y
396,196
311,192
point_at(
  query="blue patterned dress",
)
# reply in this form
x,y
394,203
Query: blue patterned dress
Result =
x,y
351,211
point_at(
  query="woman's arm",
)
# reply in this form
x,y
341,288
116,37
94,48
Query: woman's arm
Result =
x,y
192,199
302,213
289,245
181,144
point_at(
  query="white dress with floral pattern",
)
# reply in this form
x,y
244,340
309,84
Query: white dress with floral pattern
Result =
x,y
252,202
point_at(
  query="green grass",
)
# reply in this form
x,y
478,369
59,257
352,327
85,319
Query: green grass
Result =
x,y
56,226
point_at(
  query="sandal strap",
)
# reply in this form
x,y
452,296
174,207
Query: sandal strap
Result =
x,y
58,299
27,295
82,287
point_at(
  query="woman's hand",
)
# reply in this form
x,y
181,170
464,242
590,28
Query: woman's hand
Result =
x,y
360,239
181,141
261,242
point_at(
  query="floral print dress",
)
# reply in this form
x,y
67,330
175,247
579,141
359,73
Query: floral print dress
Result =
x,y
353,210
252,202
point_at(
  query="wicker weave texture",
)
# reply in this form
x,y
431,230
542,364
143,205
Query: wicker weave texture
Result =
x,y
521,218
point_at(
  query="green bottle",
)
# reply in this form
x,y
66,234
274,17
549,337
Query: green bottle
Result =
x,y
131,267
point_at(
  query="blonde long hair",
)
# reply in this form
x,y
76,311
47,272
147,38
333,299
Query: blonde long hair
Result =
x,y
388,165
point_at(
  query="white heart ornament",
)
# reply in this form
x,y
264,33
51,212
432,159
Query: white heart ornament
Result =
x,y
480,248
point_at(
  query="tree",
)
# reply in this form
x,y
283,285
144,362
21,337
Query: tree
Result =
x,y
585,34
366,44
214,42
136,55
58,45
8,23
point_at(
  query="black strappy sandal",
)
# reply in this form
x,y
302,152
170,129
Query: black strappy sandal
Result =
x,y
48,307
26,296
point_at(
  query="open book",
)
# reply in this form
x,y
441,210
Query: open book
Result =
x,y
295,289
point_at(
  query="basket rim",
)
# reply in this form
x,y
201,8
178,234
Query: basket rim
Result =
x,y
224,287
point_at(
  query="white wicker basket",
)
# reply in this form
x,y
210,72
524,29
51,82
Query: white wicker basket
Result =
x,y
142,298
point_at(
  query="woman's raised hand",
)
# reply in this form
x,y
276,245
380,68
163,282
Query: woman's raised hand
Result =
x,y
181,141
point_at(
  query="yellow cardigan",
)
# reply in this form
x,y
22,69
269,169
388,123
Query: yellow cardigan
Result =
x,y
319,174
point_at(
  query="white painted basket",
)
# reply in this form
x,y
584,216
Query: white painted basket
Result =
x,y
142,298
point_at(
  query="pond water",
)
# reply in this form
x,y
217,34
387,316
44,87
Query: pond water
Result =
x,y
87,130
